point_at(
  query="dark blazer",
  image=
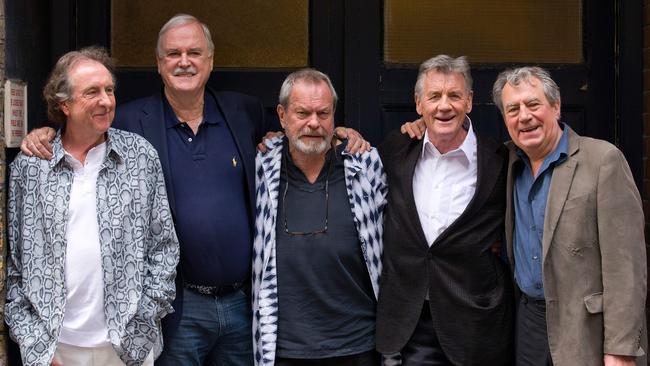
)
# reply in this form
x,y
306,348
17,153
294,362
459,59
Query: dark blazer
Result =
x,y
244,116
471,297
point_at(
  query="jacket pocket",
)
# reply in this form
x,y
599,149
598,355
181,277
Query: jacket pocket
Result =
x,y
594,303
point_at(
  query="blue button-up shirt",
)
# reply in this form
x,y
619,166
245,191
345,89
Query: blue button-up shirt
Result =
x,y
530,198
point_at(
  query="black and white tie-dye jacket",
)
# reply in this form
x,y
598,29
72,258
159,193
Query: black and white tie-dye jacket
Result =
x,y
366,185
139,249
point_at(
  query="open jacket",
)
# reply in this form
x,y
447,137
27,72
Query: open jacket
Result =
x,y
594,260
139,249
366,185
470,292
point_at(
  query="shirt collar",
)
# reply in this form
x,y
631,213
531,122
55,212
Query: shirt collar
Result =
x,y
94,157
114,148
211,113
557,156
467,148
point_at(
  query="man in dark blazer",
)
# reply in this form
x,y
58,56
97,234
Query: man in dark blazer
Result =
x,y
445,297
206,143
582,273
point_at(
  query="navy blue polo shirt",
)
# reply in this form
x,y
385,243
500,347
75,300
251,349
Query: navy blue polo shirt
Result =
x,y
531,194
209,184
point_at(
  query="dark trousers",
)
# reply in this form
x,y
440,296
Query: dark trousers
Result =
x,y
531,340
423,348
370,358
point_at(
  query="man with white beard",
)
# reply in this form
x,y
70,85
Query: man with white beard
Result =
x,y
317,246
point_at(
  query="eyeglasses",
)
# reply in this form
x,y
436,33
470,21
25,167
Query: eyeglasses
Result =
x,y
284,202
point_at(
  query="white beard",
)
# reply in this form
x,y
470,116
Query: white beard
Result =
x,y
311,147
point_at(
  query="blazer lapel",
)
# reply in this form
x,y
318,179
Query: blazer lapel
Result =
x,y
489,166
406,171
560,186
510,209
152,122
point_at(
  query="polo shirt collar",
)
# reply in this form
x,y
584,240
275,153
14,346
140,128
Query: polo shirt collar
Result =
x,y
211,113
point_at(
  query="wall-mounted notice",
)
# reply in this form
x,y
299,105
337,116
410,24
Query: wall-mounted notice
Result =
x,y
15,112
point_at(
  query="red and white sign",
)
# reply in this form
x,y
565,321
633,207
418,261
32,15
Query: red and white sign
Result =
x,y
15,112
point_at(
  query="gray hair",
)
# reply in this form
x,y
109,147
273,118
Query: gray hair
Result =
x,y
446,65
58,87
524,74
177,21
308,75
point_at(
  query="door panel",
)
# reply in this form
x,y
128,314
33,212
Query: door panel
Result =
x,y
346,40
584,93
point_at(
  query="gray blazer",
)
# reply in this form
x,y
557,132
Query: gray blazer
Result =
x,y
594,256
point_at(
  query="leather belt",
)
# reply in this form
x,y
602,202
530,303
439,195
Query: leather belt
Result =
x,y
538,302
214,290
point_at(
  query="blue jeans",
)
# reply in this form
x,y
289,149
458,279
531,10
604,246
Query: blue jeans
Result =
x,y
213,331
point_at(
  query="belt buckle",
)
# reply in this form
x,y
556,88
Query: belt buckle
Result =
x,y
228,289
214,290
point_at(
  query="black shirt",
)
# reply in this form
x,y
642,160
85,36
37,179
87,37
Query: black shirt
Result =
x,y
325,297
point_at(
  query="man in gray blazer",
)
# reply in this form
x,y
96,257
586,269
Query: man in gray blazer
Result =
x,y
574,232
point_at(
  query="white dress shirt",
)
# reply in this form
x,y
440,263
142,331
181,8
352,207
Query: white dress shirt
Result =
x,y
84,322
444,184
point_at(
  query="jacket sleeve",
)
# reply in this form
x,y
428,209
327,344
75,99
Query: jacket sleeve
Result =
x,y
162,254
25,326
376,172
623,253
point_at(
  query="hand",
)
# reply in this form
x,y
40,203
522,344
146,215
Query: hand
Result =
x,y
37,143
496,248
414,129
269,135
616,360
356,143
56,361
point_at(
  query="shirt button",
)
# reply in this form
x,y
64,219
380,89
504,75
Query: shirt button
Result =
x,y
189,139
535,257
533,227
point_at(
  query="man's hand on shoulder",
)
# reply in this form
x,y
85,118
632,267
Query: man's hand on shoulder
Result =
x,y
269,135
37,143
356,143
414,129
615,360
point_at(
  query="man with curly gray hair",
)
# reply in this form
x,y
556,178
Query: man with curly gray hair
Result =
x,y
574,233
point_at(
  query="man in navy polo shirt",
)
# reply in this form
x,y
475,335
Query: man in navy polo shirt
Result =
x,y
206,143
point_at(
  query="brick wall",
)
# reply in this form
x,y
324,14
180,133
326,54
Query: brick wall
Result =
x,y
646,132
646,116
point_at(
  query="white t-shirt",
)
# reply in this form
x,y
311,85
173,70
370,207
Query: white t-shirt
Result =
x,y
84,322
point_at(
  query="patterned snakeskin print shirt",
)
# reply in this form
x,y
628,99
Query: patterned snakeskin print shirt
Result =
x,y
139,249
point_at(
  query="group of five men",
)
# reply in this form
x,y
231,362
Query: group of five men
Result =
x,y
351,250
